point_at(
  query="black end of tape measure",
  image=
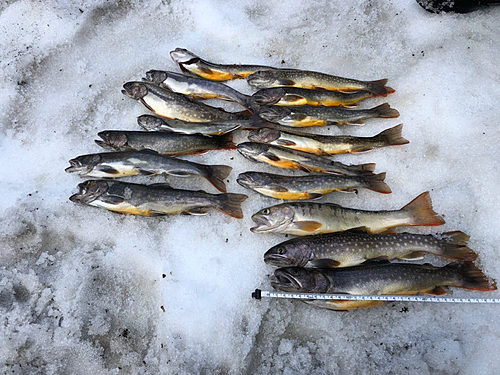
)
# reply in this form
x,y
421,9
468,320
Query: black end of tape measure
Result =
x,y
256,294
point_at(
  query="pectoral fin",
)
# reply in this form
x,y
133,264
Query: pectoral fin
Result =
x,y
286,82
278,188
325,263
271,156
108,169
196,211
416,255
111,199
283,142
437,291
308,226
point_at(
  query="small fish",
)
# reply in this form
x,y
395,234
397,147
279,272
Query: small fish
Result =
x,y
314,80
147,162
190,63
351,248
166,103
379,279
153,123
164,143
309,187
286,158
291,96
302,116
198,88
155,199
328,145
307,218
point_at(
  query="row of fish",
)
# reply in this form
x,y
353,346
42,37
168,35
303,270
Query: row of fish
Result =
x,y
335,262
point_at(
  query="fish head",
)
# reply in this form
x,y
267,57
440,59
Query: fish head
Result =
x,y
252,150
274,113
83,164
113,140
268,96
135,90
273,219
288,254
150,123
182,55
253,180
300,280
156,76
264,135
262,78
90,190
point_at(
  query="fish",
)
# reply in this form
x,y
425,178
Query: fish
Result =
x,y
309,187
146,162
324,145
198,88
153,123
286,158
351,248
379,279
314,80
155,199
166,103
190,63
304,116
308,218
291,96
164,143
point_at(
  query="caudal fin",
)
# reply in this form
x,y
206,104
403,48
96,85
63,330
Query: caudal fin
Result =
x,y
455,246
376,183
379,88
216,174
385,111
420,209
230,204
392,137
471,277
225,142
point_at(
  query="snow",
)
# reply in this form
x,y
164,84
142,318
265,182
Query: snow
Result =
x,y
84,290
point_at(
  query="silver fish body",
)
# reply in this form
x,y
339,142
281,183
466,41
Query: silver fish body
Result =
x,y
198,88
132,163
304,116
283,157
191,63
163,143
310,186
166,103
153,123
155,199
314,80
350,249
379,279
308,218
325,144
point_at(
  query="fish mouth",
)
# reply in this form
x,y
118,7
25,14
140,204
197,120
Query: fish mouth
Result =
x,y
182,55
264,135
263,225
89,191
285,282
156,76
76,166
245,180
277,260
111,140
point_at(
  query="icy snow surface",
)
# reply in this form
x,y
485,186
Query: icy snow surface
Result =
x,y
87,291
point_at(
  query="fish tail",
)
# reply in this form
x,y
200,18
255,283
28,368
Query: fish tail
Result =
x,y
216,174
392,136
456,246
379,88
230,204
225,142
376,183
420,209
385,111
471,277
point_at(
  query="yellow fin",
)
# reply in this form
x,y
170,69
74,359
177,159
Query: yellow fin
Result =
x,y
308,226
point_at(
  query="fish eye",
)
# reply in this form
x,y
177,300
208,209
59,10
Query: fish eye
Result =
x,y
266,211
294,271
281,250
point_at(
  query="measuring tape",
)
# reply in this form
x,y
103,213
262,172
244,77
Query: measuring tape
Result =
x,y
258,294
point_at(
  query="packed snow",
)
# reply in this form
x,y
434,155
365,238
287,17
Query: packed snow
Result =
x,y
84,290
